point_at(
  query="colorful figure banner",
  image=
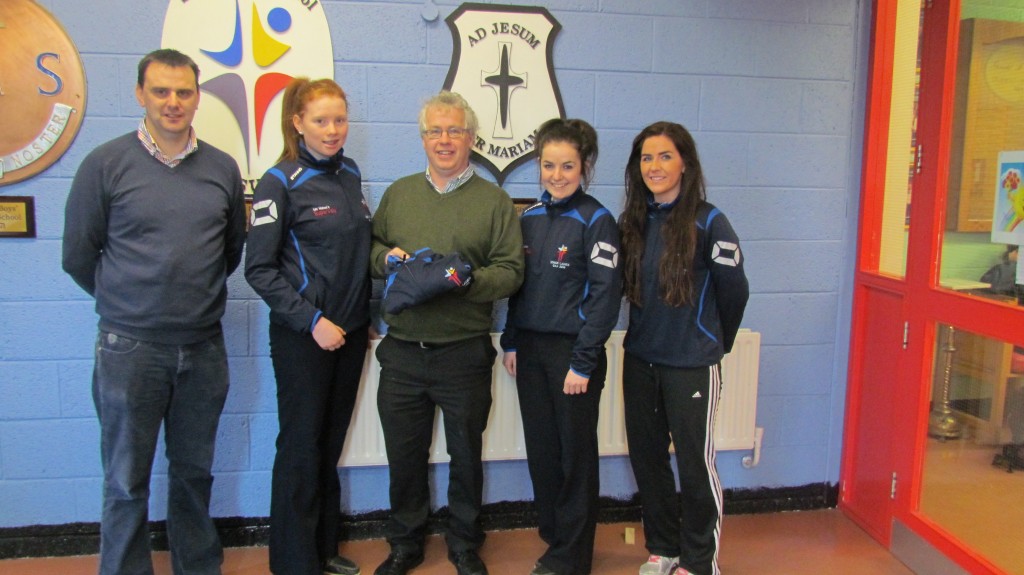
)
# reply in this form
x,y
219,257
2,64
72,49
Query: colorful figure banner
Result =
x,y
248,51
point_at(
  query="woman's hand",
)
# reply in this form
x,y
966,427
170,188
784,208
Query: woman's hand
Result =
x,y
327,335
509,361
574,383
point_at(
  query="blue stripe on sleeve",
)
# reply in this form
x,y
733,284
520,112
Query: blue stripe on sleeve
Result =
x,y
586,292
279,175
711,216
700,308
352,169
307,174
302,262
597,215
575,214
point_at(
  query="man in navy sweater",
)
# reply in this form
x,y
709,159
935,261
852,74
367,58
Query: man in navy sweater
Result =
x,y
154,225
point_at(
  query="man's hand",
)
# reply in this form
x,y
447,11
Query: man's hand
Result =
x,y
396,253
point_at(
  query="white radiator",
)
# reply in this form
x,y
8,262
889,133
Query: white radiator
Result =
x,y
734,429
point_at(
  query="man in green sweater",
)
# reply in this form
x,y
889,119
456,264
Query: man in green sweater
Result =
x,y
439,352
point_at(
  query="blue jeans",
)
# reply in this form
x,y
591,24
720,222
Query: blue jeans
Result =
x,y
137,386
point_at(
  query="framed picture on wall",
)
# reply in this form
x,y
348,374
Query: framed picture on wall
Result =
x,y
1008,205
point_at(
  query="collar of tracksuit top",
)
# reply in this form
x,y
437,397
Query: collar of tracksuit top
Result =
x,y
653,206
550,201
329,165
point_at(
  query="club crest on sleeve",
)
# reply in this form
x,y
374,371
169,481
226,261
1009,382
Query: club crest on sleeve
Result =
x,y
263,212
726,253
605,254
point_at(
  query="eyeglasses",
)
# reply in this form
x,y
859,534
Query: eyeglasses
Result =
x,y
453,133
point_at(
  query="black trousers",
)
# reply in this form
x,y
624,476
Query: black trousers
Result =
x,y
415,380
662,404
316,393
561,447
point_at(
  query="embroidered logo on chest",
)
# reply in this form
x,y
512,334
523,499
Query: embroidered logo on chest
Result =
x,y
559,261
322,211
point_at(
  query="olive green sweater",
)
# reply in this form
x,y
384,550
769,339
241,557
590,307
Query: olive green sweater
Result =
x,y
477,220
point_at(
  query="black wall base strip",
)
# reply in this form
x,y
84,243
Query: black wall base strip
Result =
x,y
84,538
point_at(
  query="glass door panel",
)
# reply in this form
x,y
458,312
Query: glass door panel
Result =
x,y
985,195
972,483
901,156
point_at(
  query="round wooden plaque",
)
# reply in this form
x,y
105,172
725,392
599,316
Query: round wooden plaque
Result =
x,y
42,90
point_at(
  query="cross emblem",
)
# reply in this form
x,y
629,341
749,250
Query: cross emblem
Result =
x,y
504,81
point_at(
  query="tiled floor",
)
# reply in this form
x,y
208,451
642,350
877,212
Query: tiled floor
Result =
x,y
794,543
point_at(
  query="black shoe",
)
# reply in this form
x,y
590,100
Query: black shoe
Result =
x,y
340,566
399,562
467,563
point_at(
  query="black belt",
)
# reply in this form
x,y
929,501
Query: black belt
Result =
x,y
431,344
427,344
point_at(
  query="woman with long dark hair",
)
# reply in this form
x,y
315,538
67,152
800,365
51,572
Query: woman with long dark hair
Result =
x,y
308,257
684,279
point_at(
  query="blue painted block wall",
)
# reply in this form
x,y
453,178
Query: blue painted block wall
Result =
x,y
773,91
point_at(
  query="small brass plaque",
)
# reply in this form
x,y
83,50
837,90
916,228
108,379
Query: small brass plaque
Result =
x,y
17,217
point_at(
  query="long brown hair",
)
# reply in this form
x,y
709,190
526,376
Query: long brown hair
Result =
x,y
678,234
302,91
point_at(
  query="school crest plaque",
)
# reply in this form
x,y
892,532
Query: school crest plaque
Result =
x,y
502,65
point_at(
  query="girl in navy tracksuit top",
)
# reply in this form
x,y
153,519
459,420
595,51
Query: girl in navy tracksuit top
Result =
x,y
554,340
683,276
308,258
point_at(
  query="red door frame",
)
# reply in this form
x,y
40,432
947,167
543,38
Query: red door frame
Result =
x,y
925,305
859,497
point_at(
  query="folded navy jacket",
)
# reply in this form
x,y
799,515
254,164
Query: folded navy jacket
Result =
x,y
421,277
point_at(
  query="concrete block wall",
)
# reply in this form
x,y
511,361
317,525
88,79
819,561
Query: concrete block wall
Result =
x,y
773,91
